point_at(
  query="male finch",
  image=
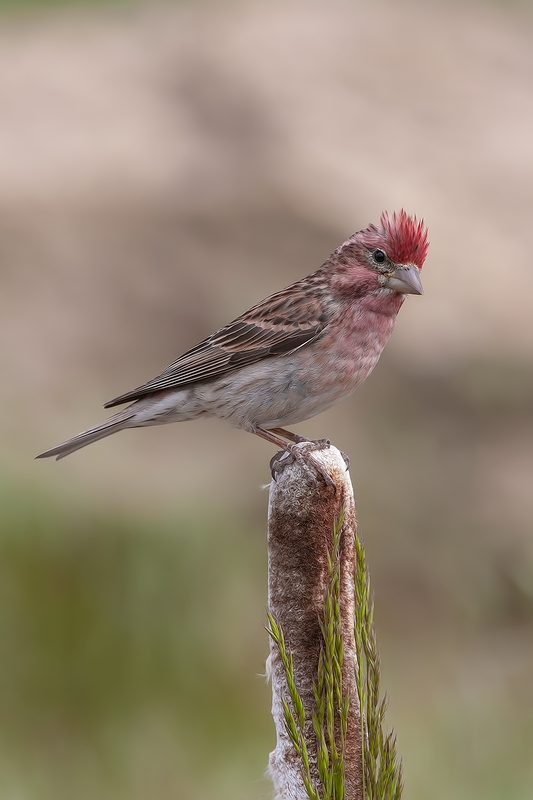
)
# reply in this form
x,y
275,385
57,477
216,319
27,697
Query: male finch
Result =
x,y
291,356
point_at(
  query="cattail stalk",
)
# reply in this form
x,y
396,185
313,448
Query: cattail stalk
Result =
x,y
313,662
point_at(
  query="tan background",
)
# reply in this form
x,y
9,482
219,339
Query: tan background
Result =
x,y
163,167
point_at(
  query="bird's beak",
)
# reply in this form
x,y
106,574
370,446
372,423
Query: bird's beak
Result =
x,y
405,279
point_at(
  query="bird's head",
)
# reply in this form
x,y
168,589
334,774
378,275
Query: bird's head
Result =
x,y
387,257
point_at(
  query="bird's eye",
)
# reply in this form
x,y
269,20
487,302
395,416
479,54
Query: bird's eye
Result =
x,y
379,256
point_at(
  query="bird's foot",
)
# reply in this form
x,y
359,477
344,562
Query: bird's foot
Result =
x,y
304,454
346,458
299,439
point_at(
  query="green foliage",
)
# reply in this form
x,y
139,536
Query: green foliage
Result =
x,y
295,715
330,716
382,773
129,659
332,703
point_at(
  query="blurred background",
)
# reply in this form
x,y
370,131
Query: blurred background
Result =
x,y
163,167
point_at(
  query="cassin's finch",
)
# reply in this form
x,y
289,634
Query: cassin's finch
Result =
x,y
291,356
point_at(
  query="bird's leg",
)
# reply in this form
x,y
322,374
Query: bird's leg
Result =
x,y
297,453
293,437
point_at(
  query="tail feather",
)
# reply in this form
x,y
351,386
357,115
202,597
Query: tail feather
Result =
x,y
117,422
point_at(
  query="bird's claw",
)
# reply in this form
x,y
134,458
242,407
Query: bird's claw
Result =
x,y
283,458
276,465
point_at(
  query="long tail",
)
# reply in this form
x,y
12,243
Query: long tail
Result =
x,y
112,425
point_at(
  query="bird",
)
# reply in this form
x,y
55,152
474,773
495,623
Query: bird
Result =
x,y
291,356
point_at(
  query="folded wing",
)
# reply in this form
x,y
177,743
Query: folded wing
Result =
x,y
284,322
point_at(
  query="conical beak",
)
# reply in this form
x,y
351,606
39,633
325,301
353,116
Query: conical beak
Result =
x,y
406,280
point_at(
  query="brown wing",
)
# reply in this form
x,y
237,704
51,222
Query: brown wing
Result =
x,y
283,322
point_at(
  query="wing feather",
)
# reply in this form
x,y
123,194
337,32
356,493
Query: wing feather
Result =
x,y
278,325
